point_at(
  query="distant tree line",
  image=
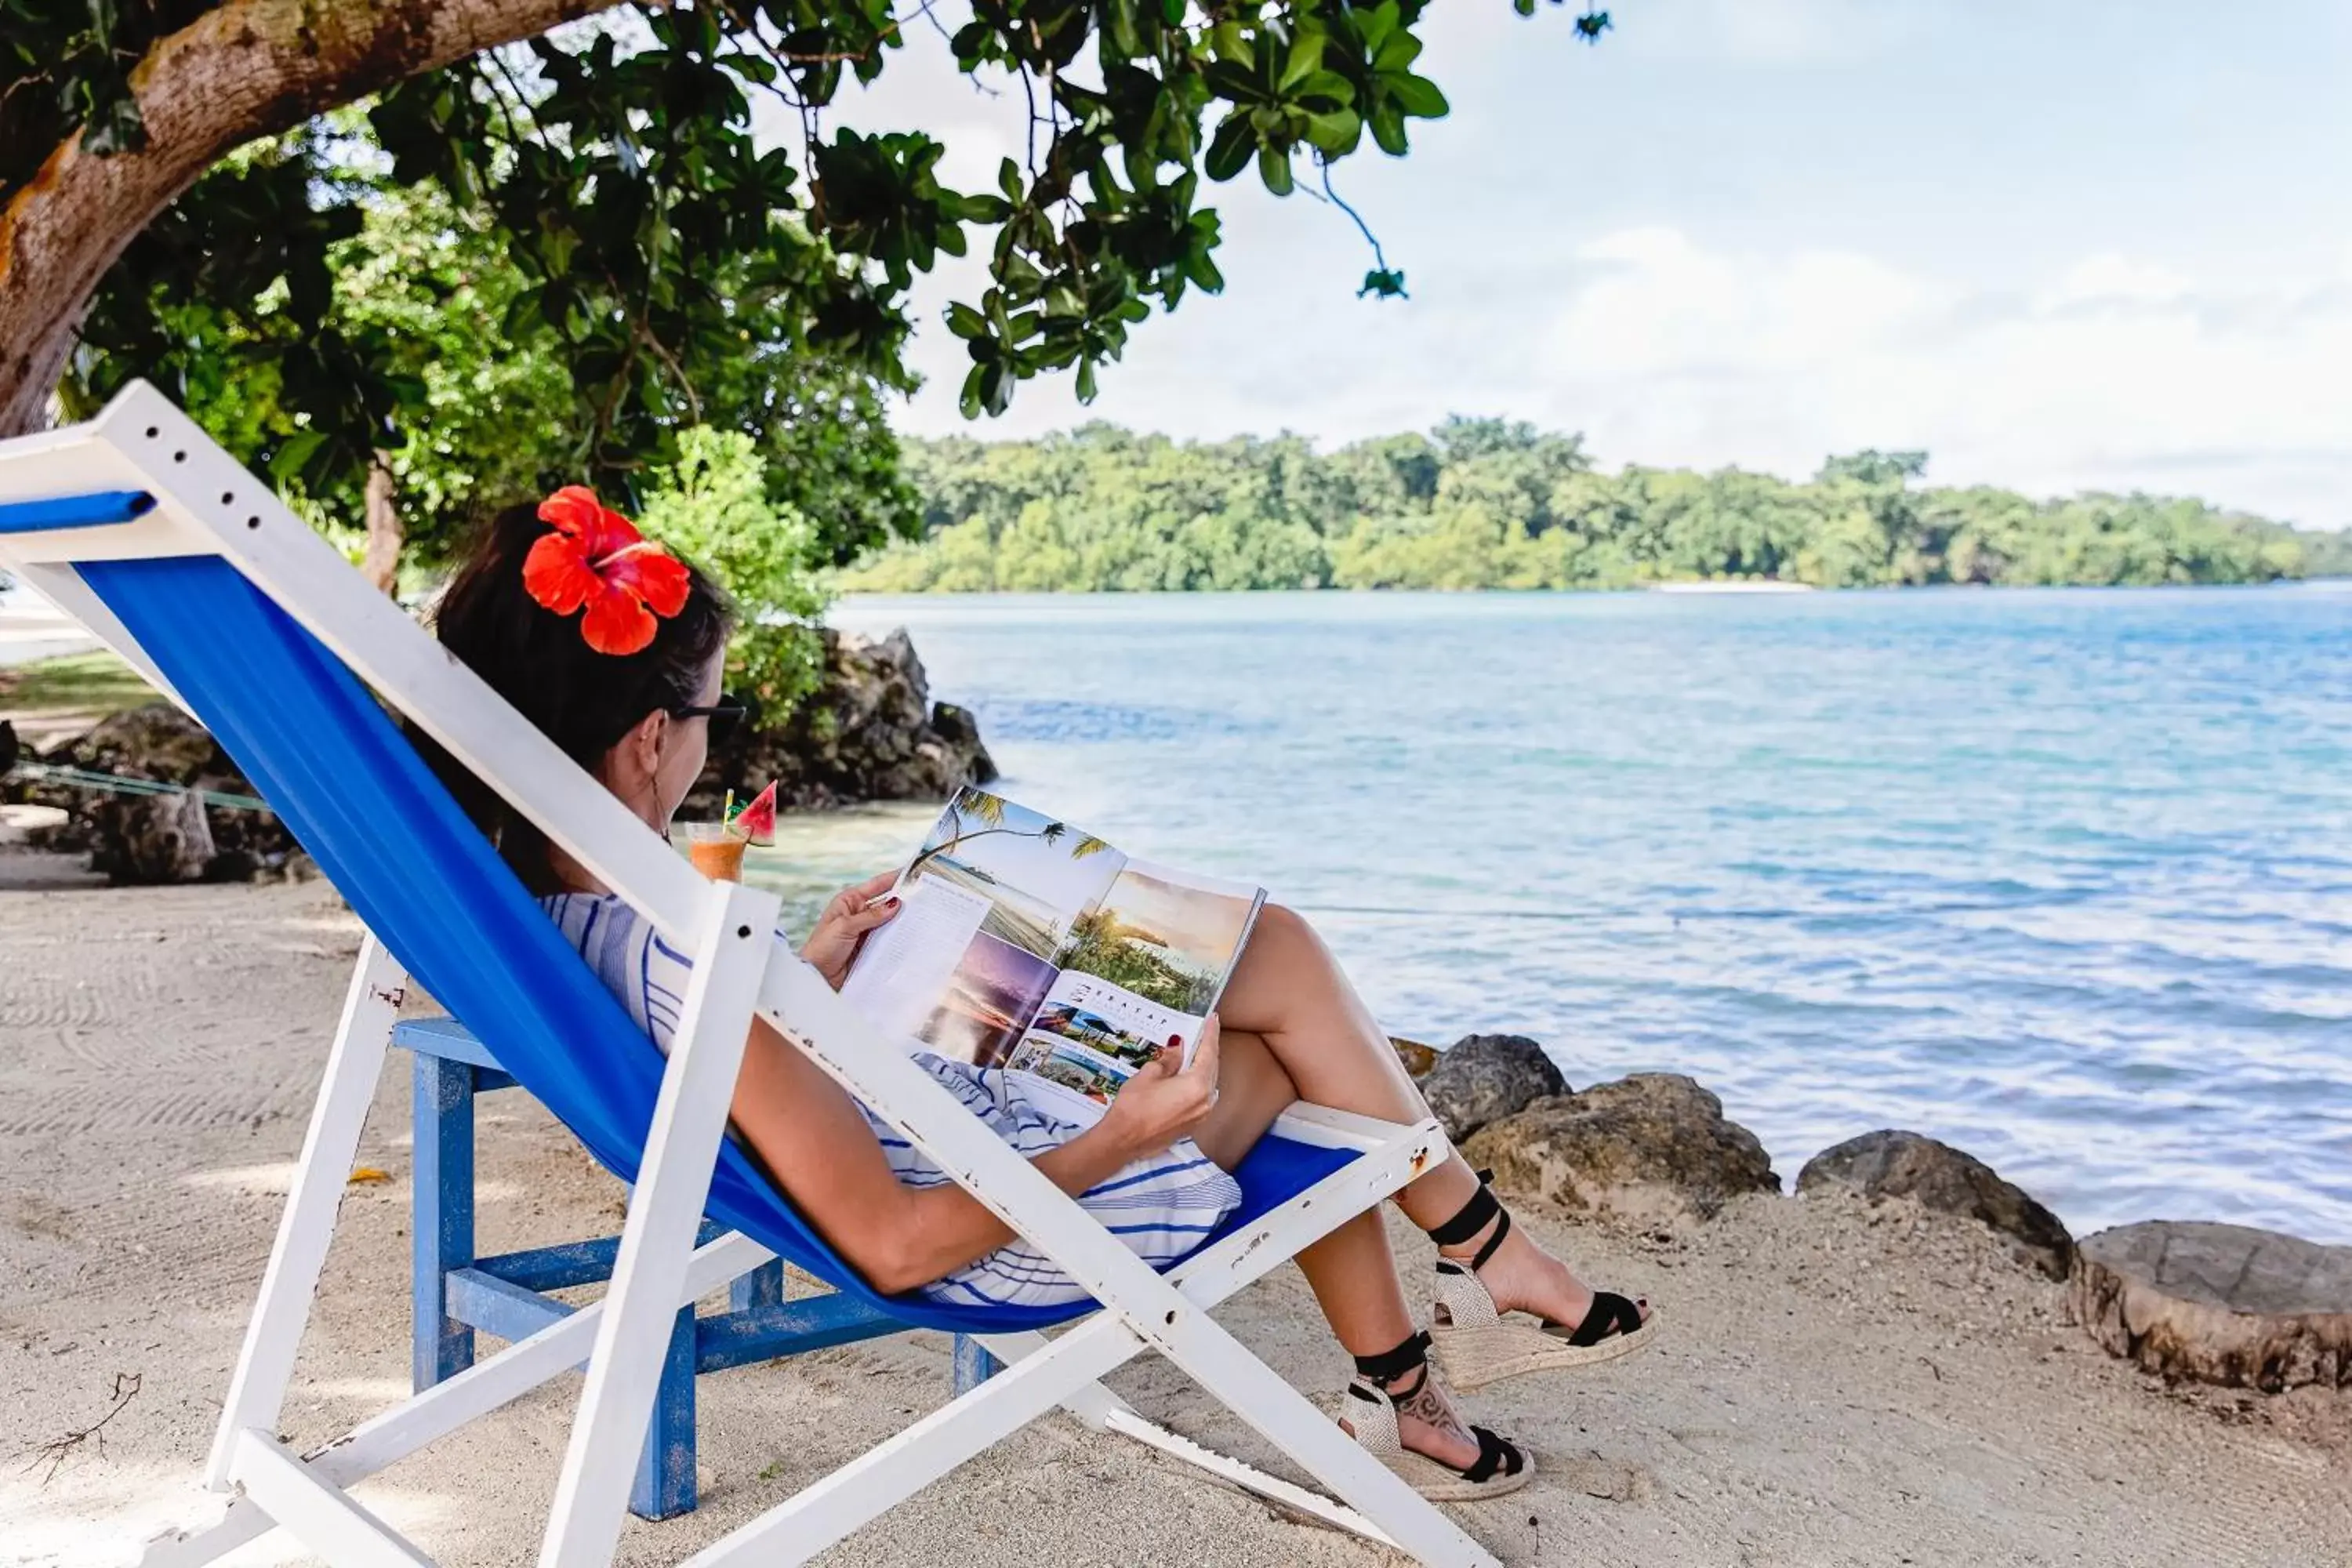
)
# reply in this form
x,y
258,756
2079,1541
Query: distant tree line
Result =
x,y
1489,503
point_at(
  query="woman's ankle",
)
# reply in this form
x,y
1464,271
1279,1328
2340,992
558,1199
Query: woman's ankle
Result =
x,y
1463,1251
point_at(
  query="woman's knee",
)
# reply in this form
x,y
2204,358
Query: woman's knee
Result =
x,y
1284,930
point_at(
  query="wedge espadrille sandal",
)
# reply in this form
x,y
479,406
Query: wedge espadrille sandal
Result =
x,y
1477,1344
1369,1409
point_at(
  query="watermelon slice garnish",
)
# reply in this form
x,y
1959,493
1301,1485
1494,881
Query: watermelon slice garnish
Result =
x,y
756,822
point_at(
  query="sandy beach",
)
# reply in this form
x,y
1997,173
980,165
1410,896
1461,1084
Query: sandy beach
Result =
x,y
1836,1386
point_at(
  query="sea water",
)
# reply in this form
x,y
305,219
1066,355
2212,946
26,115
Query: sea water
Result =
x,y
2063,878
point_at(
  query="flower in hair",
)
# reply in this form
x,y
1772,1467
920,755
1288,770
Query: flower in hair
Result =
x,y
597,558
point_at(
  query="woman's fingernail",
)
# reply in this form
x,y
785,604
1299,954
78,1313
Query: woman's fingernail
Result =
x,y
891,902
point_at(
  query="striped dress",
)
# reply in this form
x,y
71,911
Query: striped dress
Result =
x,y
1163,1207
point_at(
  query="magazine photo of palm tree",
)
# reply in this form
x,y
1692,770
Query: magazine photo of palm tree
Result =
x,y
1037,874
988,1002
1167,943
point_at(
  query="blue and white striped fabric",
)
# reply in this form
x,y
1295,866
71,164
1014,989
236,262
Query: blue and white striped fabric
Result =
x,y
1163,1207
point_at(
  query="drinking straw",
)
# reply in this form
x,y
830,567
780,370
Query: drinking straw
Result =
x,y
726,807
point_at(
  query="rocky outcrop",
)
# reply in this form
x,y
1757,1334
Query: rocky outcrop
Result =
x,y
1484,1078
1896,1164
1651,1147
162,837
2218,1303
870,732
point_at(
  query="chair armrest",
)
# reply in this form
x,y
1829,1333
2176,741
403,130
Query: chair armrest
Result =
x,y
1324,1128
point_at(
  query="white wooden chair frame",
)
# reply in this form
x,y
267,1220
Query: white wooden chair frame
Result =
x,y
208,504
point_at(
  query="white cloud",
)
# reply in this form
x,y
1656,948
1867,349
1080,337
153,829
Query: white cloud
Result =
x,y
2118,374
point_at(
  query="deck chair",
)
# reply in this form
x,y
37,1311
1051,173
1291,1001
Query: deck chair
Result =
x,y
169,551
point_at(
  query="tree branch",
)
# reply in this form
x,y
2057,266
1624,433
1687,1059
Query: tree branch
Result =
x,y
246,70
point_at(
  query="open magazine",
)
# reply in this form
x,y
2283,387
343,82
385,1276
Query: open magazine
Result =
x,y
1024,943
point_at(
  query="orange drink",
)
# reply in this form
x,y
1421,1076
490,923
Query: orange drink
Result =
x,y
716,849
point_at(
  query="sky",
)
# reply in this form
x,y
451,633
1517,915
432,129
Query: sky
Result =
x,y
2061,244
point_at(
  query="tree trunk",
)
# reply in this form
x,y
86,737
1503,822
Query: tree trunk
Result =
x,y
246,70
382,564
2218,1303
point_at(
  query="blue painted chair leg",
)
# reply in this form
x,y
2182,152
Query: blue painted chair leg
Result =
x,y
973,1364
442,1215
763,1287
665,1485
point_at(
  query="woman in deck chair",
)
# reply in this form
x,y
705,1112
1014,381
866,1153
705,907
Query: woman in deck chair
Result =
x,y
614,648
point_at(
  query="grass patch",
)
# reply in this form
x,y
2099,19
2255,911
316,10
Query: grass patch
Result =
x,y
93,682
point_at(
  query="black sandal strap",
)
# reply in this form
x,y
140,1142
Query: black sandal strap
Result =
x,y
1494,1454
1470,1218
1390,1365
1502,1230
1609,1315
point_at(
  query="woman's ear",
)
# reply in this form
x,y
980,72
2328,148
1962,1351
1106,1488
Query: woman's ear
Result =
x,y
637,754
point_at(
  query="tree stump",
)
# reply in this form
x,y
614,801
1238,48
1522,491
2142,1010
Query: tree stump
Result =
x,y
2218,1303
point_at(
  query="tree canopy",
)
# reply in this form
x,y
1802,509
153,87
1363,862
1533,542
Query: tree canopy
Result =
x,y
1487,504
653,233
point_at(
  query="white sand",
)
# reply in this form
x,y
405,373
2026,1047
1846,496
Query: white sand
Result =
x,y
1837,1386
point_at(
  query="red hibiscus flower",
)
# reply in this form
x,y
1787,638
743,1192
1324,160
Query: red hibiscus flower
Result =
x,y
596,558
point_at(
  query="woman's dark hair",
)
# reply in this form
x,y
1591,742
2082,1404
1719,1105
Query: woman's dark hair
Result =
x,y
581,699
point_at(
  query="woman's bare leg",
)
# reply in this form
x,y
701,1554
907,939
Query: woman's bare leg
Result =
x,y
1351,1271
1291,994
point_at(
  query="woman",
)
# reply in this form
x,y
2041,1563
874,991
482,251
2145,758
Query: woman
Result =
x,y
614,649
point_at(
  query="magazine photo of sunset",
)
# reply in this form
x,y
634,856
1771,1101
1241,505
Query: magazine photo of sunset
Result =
x,y
1038,874
1168,938
988,1002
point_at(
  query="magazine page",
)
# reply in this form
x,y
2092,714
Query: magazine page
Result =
x,y
986,903
1140,972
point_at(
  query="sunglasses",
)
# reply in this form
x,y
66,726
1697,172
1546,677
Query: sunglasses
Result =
x,y
725,715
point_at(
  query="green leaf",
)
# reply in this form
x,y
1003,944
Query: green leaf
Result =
x,y
294,454
1417,96
1396,53
1273,168
1305,59
1229,149
966,323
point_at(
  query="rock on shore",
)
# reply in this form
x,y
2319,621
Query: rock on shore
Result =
x,y
1484,1077
149,838
1652,1146
1896,1164
870,732
2218,1303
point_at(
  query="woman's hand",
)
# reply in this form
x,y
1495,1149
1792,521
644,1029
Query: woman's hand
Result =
x,y
1162,1103
853,913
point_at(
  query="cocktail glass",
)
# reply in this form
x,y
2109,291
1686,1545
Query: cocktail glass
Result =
x,y
716,849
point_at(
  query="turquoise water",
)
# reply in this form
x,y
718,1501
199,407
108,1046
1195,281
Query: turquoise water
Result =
x,y
2063,878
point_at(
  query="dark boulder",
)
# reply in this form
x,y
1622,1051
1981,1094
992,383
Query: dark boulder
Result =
x,y
1484,1078
869,732
1651,1147
1896,1164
